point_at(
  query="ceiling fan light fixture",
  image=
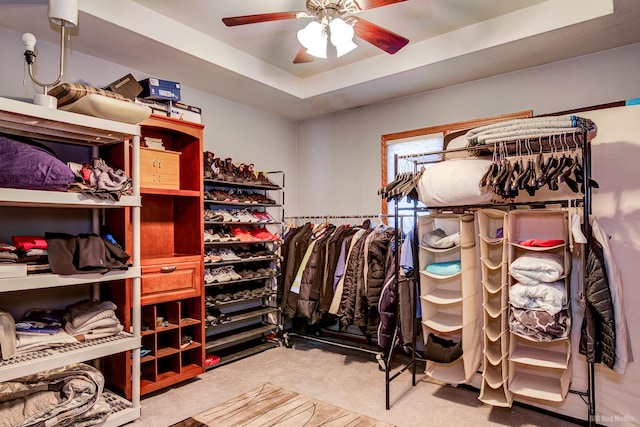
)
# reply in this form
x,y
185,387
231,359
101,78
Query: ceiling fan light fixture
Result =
x,y
342,36
314,38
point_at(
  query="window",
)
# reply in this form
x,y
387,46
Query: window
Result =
x,y
415,145
425,140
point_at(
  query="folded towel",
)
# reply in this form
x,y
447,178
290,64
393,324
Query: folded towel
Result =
x,y
446,268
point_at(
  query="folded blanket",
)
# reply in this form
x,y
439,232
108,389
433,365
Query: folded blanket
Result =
x,y
550,297
533,268
58,397
535,127
106,322
446,268
30,342
540,243
81,312
438,239
99,333
538,325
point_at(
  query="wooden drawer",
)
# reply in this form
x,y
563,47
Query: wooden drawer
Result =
x,y
159,169
170,281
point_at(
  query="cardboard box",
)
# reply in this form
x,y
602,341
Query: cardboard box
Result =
x,y
157,107
159,169
153,88
181,111
126,86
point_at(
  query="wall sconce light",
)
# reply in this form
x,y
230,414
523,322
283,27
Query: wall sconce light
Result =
x,y
63,13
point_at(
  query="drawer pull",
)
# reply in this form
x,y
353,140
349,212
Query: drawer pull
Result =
x,y
168,269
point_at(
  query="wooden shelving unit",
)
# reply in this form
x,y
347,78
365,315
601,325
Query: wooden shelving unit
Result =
x,y
70,129
171,229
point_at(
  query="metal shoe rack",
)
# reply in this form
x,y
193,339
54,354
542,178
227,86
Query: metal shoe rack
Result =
x,y
242,313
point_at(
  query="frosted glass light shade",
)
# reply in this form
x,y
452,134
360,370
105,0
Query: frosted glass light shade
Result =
x,y
342,36
314,39
64,12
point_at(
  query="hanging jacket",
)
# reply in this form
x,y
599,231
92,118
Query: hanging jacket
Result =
x,y
598,336
297,248
387,310
624,353
378,260
332,252
309,295
353,304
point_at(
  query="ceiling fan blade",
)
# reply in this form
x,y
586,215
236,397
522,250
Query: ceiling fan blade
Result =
x,y
302,56
262,17
380,37
370,4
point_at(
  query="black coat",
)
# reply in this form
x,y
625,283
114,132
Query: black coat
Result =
x,y
598,334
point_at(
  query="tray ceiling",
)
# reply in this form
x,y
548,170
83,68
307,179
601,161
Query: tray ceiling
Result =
x,y
451,42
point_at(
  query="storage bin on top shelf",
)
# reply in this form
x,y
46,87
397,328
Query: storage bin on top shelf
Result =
x,y
449,296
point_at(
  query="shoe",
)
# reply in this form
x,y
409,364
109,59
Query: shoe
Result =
x,y
219,275
262,233
232,274
242,234
245,216
224,215
211,360
208,276
212,316
246,274
263,216
222,298
227,255
262,178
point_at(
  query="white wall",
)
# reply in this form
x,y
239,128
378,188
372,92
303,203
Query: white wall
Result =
x,y
340,153
231,130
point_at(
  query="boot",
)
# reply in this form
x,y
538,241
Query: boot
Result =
x,y
217,163
251,173
208,164
228,169
238,173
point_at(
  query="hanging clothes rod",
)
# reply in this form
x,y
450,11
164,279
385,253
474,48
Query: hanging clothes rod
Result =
x,y
535,145
378,215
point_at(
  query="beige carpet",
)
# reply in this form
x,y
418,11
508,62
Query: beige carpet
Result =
x,y
270,405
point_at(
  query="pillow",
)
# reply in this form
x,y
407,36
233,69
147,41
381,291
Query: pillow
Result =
x,y
454,183
70,92
93,104
29,167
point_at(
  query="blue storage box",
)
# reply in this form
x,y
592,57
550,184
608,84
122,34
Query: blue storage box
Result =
x,y
153,88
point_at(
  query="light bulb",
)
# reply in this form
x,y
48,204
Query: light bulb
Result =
x,y
29,41
342,36
314,39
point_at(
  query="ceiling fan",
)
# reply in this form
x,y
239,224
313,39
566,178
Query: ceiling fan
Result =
x,y
334,20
